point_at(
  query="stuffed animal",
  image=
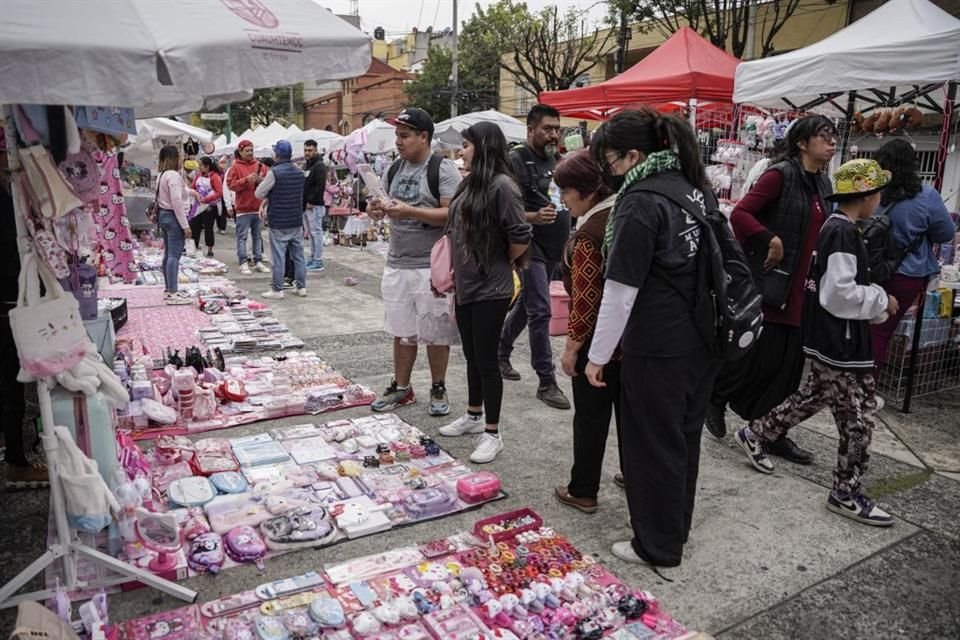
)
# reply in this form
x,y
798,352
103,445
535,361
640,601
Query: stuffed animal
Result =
x,y
914,118
870,122
883,123
899,120
856,125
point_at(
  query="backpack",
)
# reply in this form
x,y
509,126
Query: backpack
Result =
x,y
882,254
529,182
433,174
727,307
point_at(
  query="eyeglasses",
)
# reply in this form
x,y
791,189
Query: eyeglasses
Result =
x,y
608,162
827,136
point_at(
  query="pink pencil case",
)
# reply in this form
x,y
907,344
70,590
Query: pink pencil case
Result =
x,y
478,487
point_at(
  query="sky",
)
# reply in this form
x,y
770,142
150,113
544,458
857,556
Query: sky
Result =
x,y
397,17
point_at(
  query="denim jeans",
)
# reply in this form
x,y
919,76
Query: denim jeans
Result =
x,y
173,241
313,217
532,309
249,222
281,241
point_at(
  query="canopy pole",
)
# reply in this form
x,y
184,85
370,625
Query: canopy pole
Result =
x,y
693,113
943,150
845,135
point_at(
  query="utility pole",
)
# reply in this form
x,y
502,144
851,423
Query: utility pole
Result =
x,y
751,30
620,62
454,72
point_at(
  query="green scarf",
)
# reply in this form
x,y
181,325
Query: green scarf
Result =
x,y
656,162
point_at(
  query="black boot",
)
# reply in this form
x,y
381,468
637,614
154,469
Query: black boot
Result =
x,y
716,421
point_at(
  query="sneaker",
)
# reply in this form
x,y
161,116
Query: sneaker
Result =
x,y
245,269
464,424
177,298
301,292
261,268
551,396
860,508
209,253
488,446
618,480
507,372
314,265
287,284
438,400
586,505
752,446
716,421
394,397
624,551
273,295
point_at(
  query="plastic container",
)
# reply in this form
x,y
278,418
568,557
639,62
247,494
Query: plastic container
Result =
x,y
478,487
532,521
559,309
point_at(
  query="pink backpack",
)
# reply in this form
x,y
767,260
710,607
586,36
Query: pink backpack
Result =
x,y
441,265
244,544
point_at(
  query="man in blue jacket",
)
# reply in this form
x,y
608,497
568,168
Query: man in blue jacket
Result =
x,y
282,187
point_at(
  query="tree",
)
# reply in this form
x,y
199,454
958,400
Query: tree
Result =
x,y
431,91
545,51
725,23
266,106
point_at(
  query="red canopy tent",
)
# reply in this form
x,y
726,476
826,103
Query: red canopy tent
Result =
x,y
686,67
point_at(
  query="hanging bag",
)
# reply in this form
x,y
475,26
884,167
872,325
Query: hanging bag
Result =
x,y
80,170
89,503
153,209
441,262
48,330
52,195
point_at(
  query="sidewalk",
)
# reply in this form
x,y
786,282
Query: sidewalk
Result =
x,y
765,558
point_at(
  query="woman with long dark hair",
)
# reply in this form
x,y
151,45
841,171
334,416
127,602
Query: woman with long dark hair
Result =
x,y
778,222
208,184
651,242
490,235
172,208
919,220
588,198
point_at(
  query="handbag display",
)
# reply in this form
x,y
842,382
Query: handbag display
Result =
x,y
80,170
48,331
441,265
89,503
49,192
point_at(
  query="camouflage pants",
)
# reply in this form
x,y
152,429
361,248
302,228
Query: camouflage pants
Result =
x,y
852,398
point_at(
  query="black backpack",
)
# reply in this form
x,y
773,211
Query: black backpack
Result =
x,y
727,308
433,174
882,254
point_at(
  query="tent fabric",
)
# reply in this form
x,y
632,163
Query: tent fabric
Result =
x,y
684,67
447,134
168,128
137,53
900,44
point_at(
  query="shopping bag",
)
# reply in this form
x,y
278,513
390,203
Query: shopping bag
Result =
x,y
49,192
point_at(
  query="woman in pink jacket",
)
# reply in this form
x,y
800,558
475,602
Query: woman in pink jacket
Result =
x,y
208,185
172,208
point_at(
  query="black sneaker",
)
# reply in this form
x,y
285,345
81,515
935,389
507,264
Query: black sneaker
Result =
x,y
439,406
860,508
551,396
507,372
753,447
716,421
788,450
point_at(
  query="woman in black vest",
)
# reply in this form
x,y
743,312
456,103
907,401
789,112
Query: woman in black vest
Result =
x,y
651,245
777,223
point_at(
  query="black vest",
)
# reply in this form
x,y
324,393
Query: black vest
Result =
x,y
285,210
790,222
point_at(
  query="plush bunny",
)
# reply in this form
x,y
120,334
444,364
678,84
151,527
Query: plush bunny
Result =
x,y
883,123
914,118
856,125
898,119
870,122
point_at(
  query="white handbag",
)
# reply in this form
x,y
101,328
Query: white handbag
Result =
x,y
49,191
89,503
48,330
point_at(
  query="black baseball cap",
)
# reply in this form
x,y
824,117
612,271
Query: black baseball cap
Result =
x,y
414,118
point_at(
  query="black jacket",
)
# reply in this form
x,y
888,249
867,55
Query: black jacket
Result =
x,y
316,182
840,301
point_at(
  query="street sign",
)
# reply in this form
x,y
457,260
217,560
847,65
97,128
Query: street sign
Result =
x,y
213,116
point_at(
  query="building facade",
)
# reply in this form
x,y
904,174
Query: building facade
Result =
x,y
377,93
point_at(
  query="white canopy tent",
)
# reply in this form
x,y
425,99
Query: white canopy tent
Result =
x,y
153,133
135,54
896,49
447,134
377,136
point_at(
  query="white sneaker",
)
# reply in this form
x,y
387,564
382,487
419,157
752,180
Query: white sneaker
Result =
x,y
245,269
261,268
464,424
273,295
300,292
488,446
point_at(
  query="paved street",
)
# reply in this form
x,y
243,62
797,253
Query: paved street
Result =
x,y
765,558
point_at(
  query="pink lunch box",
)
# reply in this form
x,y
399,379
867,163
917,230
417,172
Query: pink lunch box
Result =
x,y
477,487
559,309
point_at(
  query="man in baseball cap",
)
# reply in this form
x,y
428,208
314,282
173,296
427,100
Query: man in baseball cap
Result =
x,y
282,187
416,119
242,179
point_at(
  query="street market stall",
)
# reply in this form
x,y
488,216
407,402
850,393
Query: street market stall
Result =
x,y
892,73
447,134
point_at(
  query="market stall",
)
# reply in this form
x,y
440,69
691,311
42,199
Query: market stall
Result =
x,y
447,134
123,55
892,73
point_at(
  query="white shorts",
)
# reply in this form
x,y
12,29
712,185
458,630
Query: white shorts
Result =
x,y
412,312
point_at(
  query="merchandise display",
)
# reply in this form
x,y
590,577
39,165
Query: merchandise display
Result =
x,y
531,583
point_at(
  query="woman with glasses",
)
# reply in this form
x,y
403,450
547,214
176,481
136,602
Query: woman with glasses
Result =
x,y
778,222
651,243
